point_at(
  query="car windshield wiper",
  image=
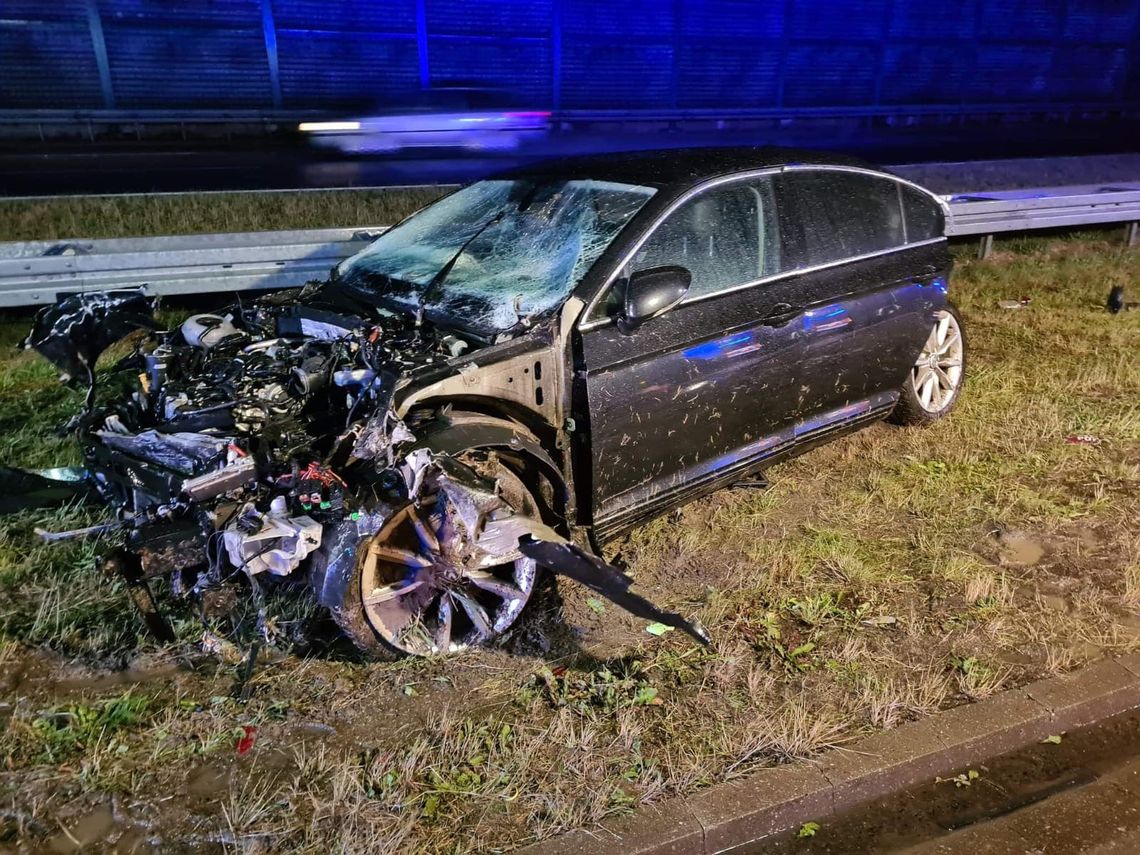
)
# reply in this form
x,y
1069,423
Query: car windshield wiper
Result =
x,y
437,281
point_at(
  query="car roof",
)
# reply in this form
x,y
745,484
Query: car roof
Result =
x,y
678,167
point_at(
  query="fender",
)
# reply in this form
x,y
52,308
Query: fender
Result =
x,y
463,431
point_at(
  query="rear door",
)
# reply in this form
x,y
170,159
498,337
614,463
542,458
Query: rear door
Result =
x,y
680,404
867,290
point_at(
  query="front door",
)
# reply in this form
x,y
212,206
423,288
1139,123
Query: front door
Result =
x,y
691,399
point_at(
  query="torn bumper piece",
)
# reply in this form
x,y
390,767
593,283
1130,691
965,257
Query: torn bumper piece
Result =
x,y
575,563
502,535
72,333
24,490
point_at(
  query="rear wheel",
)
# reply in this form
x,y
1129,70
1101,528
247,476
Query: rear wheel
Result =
x,y
413,585
932,387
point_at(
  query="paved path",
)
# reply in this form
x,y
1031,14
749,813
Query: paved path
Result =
x,y
1101,817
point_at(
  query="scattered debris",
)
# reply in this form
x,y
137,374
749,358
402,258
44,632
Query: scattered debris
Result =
x,y
222,648
881,621
759,481
1020,303
21,490
1083,439
965,779
74,332
246,741
570,560
1054,739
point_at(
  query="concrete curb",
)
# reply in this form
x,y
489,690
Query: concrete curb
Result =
x,y
727,816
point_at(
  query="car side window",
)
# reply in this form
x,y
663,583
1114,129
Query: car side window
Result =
x,y
842,214
924,218
725,237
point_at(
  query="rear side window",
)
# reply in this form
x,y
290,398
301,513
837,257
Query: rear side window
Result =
x,y
842,214
924,218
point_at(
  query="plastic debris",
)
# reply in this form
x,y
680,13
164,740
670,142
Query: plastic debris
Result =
x,y
1083,439
21,490
272,542
1014,304
246,741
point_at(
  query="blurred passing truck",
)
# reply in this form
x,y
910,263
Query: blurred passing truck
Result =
x,y
457,117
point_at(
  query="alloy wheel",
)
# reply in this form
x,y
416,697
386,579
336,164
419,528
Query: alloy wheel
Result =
x,y
422,591
937,373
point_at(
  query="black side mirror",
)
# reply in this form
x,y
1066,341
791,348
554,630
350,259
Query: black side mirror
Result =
x,y
650,292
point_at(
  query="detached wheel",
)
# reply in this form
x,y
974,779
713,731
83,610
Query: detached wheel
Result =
x,y
931,389
411,586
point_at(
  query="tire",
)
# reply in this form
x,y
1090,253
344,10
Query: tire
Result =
x,y
334,576
343,567
934,384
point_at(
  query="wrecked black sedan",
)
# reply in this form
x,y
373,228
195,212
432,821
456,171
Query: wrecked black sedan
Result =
x,y
509,378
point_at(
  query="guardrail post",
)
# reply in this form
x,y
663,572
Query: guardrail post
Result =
x,y
985,246
1132,234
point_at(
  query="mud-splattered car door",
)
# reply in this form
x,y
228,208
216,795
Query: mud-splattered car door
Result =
x,y
692,398
868,290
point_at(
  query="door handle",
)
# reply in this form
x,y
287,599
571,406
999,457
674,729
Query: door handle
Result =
x,y
781,314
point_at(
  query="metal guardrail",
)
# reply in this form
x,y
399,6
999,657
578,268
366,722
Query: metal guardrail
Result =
x,y
987,214
37,272
1022,210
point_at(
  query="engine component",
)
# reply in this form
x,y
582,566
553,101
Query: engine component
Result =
x,y
207,331
278,545
233,476
187,453
310,376
454,344
156,364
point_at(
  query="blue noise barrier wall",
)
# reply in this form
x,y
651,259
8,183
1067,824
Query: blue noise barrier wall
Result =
x,y
637,56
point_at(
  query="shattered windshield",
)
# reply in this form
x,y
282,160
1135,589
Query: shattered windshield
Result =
x,y
496,253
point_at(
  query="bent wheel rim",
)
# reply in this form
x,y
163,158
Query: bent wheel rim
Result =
x,y
937,374
420,596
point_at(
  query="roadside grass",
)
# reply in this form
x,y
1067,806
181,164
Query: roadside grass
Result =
x,y
879,579
194,213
